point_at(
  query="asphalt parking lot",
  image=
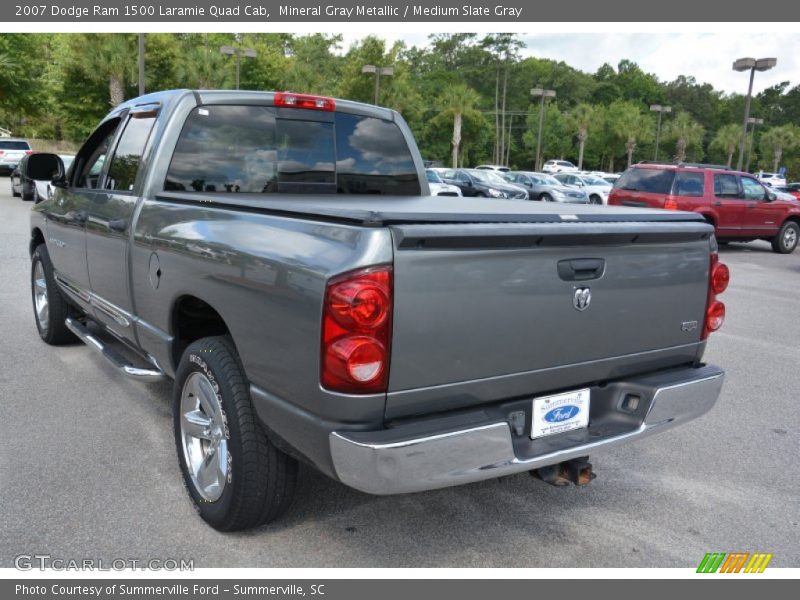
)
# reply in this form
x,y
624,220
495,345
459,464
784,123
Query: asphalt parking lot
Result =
x,y
88,467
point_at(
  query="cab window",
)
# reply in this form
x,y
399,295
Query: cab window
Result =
x,y
92,156
752,190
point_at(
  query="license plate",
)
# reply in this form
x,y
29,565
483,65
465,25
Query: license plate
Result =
x,y
560,413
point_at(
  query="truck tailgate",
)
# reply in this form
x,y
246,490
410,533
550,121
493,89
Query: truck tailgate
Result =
x,y
489,311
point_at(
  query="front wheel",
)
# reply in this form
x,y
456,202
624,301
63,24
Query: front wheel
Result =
x,y
546,198
14,193
235,476
595,199
49,307
786,240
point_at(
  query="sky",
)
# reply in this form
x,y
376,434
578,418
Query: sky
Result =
x,y
706,56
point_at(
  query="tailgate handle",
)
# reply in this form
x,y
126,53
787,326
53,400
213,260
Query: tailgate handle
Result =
x,y
581,269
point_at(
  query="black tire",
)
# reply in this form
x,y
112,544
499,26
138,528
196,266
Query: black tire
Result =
x,y
29,196
52,330
480,195
595,199
261,480
786,240
545,197
13,193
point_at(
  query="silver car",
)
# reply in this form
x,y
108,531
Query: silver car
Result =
x,y
597,189
542,186
11,152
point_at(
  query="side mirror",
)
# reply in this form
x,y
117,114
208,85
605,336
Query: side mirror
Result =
x,y
42,166
771,196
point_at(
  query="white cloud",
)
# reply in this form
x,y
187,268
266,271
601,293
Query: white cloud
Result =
x,y
705,56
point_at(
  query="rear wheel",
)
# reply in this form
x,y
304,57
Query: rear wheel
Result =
x,y
595,199
786,240
235,476
13,192
49,307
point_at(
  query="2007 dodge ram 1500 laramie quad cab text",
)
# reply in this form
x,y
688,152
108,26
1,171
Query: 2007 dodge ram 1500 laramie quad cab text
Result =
x,y
278,256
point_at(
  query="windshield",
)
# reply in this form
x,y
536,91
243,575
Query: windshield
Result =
x,y
548,180
484,176
596,181
433,176
8,145
496,177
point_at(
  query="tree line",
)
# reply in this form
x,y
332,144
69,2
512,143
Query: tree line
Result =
x,y
465,96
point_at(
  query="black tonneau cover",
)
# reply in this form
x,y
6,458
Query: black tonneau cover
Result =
x,y
379,211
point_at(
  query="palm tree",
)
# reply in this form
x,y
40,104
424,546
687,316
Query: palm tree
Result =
x,y
727,140
686,132
579,119
460,101
629,125
778,139
110,57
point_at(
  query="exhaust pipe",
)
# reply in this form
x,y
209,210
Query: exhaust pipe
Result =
x,y
577,471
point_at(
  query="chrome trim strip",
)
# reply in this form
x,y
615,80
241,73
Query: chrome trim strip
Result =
x,y
120,316
116,360
486,451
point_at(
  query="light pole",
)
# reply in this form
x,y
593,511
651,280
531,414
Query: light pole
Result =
x,y
543,94
660,110
141,64
386,71
238,53
753,121
752,65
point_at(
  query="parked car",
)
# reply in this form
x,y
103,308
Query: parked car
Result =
x,y
791,188
611,177
481,183
439,187
740,207
280,258
11,152
559,166
771,179
542,186
500,168
43,169
595,188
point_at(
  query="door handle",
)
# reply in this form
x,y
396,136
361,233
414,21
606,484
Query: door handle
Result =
x,y
118,225
79,216
581,269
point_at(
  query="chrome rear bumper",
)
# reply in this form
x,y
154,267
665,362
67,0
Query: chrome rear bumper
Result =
x,y
387,462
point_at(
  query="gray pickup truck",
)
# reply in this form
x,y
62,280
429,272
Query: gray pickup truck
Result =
x,y
278,256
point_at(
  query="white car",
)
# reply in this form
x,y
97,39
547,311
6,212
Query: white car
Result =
x,y
499,168
11,152
597,189
439,187
771,179
559,166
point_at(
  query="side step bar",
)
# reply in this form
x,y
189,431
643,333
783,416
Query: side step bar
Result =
x,y
118,361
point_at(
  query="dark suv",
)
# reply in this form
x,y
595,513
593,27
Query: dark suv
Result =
x,y
739,206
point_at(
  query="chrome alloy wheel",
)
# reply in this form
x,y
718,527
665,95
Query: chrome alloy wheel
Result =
x,y
40,301
205,444
790,237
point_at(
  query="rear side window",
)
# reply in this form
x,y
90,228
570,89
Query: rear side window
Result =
x,y
15,145
656,181
372,157
128,154
250,149
726,186
688,184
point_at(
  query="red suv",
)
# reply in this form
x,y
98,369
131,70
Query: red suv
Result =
x,y
737,205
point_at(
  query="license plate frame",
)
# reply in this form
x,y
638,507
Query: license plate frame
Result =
x,y
560,413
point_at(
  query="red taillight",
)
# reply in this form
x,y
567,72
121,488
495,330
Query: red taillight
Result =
x,y
356,331
2,152
715,316
28,151
671,204
290,100
718,278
